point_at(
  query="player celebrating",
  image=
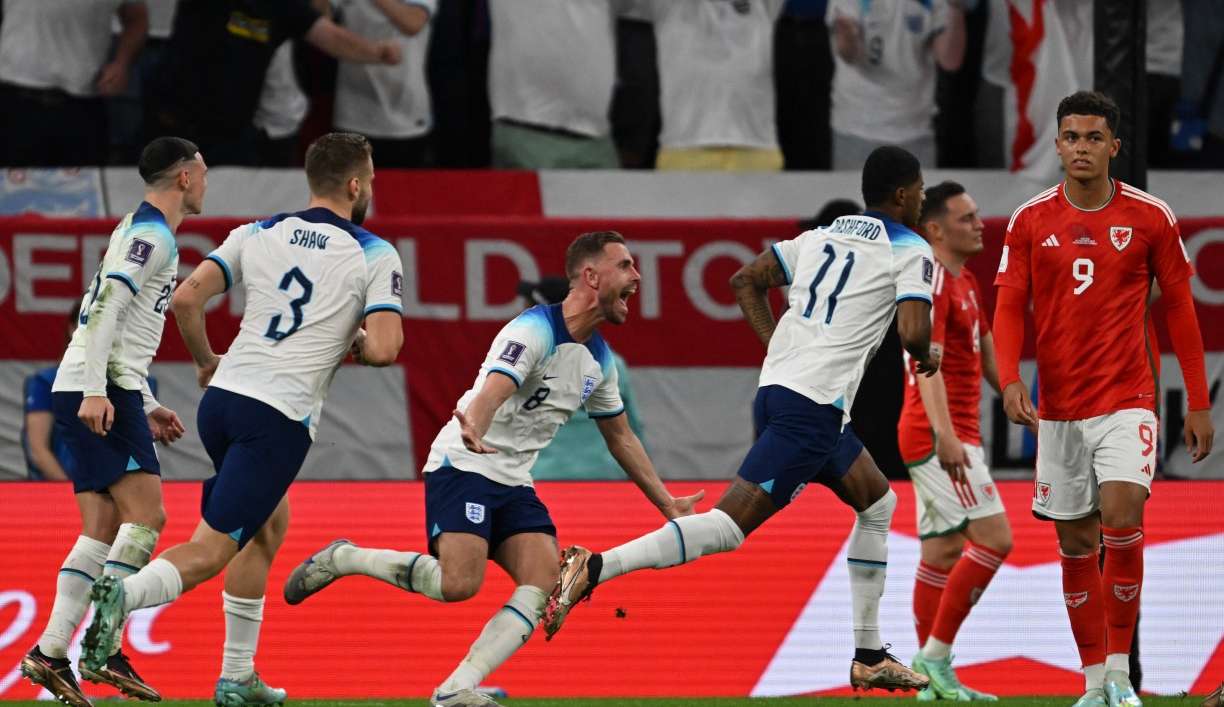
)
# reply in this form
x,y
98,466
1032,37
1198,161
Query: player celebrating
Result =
x,y
1087,250
846,279
108,417
311,278
479,499
942,446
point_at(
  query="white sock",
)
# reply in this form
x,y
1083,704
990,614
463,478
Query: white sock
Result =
x,y
1094,676
505,633
936,649
158,583
412,571
867,556
680,540
242,620
1117,661
132,549
76,576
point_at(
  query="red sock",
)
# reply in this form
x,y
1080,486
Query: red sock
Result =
x,y
928,588
1122,582
1085,607
968,579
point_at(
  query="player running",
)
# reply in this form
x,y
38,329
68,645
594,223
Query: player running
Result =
x,y
479,499
311,278
848,279
942,446
106,414
1087,251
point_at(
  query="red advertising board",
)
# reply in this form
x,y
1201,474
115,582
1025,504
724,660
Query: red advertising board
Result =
x,y
459,289
770,618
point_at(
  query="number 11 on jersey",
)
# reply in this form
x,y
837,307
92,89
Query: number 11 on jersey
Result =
x,y
830,256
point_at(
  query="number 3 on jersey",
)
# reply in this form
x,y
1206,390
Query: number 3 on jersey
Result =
x,y
830,256
296,305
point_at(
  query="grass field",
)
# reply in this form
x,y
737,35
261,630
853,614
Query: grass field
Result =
x,y
1148,701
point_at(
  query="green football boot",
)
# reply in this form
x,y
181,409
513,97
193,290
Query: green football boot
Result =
x,y
107,596
1119,691
944,683
1092,698
252,691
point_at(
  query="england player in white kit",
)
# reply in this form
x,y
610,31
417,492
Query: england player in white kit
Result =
x,y
846,281
312,278
479,499
109,420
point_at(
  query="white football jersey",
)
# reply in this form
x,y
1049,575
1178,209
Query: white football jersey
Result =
x,y
143,258
555,376
845,282
311,278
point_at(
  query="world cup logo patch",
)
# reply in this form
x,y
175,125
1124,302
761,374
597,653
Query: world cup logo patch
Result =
x,y
139,252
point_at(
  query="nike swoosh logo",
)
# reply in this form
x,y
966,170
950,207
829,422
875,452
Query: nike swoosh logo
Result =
x,y
548,378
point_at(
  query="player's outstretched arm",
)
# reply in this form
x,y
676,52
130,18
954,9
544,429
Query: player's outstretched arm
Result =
x,y
1009,334
475,420
751,285
204,283
380,342
628,451
914,328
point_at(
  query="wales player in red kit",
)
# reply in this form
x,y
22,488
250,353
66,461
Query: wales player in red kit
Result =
x,y
941,443
1087,251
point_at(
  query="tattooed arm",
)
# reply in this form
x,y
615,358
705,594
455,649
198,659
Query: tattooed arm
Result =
x,y
751,285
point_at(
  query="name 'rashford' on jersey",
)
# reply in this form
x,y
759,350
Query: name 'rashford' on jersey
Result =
x,y
311,278
142,257
845,281
555,375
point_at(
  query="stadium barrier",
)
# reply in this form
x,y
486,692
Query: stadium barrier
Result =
x,y
459,288
772,618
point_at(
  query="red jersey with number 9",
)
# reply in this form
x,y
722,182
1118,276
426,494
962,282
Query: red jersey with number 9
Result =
x,y
1090,276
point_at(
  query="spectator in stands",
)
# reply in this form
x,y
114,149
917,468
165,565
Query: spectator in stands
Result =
x,y
1164,62
716,82
884,76
54,73
47,456
803,76
552,65
388,104
282,108
1199,129
208,85
578,450
830,212
125,110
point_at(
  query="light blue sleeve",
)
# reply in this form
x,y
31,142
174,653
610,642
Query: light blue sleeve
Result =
x,y
520,346
913,268
147,249
385,285
228,256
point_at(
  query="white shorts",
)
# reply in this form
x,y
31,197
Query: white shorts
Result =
x,y
1074,457
945,507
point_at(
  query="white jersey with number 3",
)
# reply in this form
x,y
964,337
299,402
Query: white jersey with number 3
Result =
x,y
845,280
311,278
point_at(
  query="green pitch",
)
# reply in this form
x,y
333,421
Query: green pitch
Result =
x,y
1148,701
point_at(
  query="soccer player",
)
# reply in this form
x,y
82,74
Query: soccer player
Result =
x,y
942,446
846,282
479,499
311,277
109,419
1087,251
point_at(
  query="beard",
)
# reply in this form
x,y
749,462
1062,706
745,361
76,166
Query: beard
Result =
x,y
359,211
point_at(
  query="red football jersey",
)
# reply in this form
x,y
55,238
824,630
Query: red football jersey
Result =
x,y
958,324
1090,275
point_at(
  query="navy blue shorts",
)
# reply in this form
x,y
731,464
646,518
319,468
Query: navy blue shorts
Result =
x,y
101,461
464,502
257,453
798,441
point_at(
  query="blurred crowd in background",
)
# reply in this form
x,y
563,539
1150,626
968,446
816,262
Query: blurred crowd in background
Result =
x,y
537,84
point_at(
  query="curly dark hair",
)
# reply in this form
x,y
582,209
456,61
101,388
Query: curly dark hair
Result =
x,y
1091,103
